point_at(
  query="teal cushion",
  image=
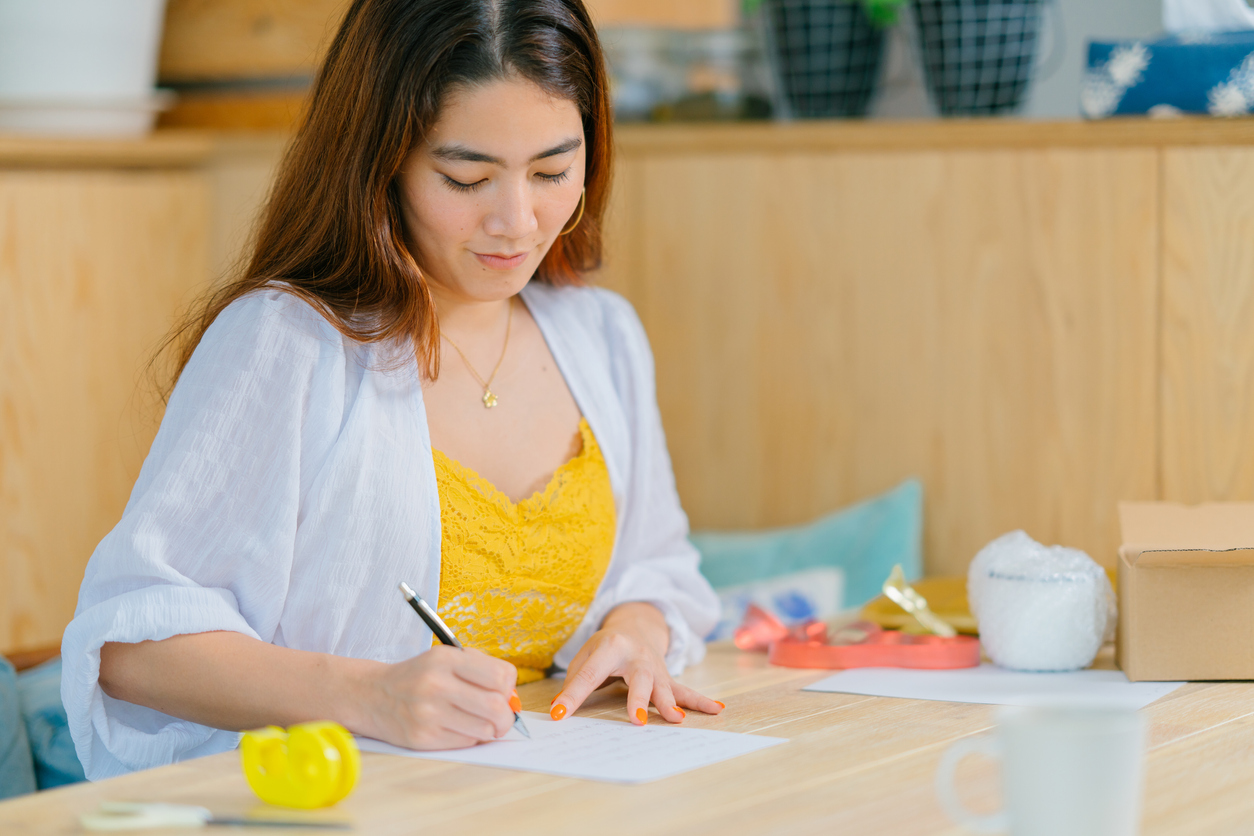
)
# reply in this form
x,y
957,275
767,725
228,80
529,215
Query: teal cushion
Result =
x,y
837,562
56,762
17,772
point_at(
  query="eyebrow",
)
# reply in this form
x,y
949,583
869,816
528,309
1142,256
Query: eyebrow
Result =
x,y
460,153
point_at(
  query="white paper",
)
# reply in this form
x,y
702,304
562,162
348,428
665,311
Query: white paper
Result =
x,y
991,685
599,750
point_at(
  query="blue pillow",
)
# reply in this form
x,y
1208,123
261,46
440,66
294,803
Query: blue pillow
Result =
x,y
835,563
56,762
17,772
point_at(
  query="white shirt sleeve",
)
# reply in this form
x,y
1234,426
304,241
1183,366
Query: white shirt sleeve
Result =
x,y
206,541
654,561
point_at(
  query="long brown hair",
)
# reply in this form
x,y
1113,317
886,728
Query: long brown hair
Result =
x,y
332,229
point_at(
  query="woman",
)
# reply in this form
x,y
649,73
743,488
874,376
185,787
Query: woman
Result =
x,y
322,444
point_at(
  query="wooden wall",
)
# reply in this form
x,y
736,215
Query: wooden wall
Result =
x,y
826,325
95,258
1036,320
1207,338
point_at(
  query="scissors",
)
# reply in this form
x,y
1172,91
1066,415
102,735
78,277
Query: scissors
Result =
x,y
130,815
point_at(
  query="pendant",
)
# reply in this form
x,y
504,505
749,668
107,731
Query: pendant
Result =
x,y
489,400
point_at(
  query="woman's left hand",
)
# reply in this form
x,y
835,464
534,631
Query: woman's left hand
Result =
x,y
631,644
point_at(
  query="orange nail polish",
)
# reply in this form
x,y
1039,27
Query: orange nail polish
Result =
x,y
559,693
558,712
682,713
515,704
642,716
719,704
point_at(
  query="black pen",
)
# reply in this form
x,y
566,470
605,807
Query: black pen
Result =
x,y
445,635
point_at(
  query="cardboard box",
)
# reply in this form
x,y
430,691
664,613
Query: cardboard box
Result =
x,y
1186,591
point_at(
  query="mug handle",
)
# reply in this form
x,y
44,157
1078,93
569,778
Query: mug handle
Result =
x,y
986,745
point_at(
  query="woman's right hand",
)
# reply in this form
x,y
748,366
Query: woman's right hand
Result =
x,y
445,698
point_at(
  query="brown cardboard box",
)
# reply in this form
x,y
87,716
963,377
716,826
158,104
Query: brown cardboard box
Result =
x,y
1186,591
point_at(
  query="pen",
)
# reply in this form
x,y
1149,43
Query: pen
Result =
x,y
445,635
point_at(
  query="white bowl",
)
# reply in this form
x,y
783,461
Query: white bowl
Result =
x,y
115,118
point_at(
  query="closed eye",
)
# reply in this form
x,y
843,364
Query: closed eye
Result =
x,y
459,186
554,178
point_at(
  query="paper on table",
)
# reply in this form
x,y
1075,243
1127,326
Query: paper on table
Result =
x,y
992,685
600,750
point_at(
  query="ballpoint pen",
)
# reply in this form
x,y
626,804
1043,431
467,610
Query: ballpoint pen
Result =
x,y
445,636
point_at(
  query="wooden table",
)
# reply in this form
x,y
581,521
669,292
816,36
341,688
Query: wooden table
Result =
x,y
854,765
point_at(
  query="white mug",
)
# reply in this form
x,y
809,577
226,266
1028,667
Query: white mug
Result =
x,y
1066,771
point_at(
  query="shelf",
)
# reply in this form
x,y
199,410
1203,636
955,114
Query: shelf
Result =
x,y
162,149
949,134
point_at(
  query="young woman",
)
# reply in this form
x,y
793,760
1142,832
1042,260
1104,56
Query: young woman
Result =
x,y
408,383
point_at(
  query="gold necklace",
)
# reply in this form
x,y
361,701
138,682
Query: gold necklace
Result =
x,y
489,400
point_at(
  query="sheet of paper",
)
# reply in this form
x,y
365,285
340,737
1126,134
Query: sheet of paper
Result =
x,y
599,750
992,685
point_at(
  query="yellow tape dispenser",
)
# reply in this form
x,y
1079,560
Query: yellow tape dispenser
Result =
x,y
309,765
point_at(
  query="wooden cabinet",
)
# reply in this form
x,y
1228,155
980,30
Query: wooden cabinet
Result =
x,y
1037,320
1207,349
100,243
826,325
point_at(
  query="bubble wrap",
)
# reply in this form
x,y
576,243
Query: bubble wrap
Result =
x,y
1039,608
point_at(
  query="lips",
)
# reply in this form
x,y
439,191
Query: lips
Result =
x,y
500,261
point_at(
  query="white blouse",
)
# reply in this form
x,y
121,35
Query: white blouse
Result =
x,y
291,487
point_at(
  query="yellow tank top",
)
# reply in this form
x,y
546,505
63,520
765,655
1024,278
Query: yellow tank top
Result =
x,y
517,579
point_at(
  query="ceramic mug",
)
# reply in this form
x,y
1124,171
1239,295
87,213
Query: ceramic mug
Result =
x,y
1070,770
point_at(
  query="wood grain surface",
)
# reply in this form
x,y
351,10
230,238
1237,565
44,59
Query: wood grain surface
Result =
x,y
220,40
214,40
826,325
853,764
1207,338
236,110
932,134
93,265
166,149
827,319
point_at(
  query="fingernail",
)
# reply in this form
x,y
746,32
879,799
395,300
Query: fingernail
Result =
x,y
515,704
642,716
719,704
558,711
682,713
559,693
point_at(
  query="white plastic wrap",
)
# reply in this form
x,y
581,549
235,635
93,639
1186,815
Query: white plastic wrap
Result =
x,y
1039,608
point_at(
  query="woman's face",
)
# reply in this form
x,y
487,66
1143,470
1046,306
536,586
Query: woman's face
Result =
x,y
490,189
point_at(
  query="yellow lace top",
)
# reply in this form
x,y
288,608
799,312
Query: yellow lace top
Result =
x,y
516,579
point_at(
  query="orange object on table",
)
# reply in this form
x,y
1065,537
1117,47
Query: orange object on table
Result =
x,y
862,644
866,645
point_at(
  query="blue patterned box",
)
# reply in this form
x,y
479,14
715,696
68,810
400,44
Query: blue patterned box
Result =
x,y
1204,73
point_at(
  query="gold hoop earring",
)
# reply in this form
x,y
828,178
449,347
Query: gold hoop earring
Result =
x,y
578,215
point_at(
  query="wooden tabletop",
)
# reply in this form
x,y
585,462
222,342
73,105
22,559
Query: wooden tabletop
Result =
x,y
854,764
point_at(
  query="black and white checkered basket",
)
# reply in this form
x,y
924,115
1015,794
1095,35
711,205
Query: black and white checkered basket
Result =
x,y
978,55
826,56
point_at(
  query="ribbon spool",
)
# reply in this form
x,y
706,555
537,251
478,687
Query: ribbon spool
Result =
x,y
308,766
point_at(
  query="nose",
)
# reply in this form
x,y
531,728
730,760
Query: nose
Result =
x,y
512,214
